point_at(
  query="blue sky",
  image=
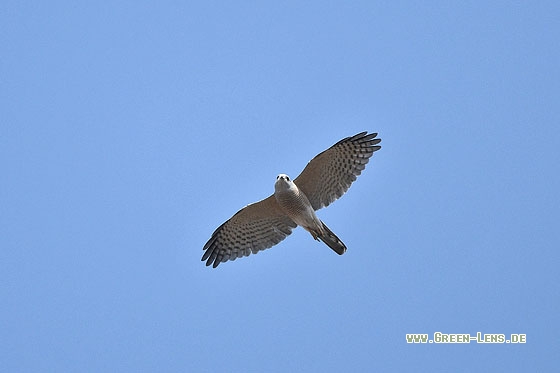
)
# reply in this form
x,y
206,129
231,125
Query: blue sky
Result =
x,y
131,130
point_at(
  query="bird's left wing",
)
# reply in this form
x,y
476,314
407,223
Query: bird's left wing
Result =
x,y
329,175
255,227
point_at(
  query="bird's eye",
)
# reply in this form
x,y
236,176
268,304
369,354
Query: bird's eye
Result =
x,y
287,178
277,177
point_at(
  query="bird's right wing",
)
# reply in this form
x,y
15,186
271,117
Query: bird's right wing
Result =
x,y
255,227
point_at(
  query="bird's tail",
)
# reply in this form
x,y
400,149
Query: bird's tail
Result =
x,y
332,241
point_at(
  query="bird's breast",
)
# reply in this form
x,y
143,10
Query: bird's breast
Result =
x,y
296,205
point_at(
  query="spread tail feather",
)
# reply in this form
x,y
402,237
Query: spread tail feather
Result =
x,y
332,241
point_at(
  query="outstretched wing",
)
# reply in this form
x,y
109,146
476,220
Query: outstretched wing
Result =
x,y
329,175
255,227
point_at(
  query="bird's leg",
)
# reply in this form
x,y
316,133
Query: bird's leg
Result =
x,y
313,233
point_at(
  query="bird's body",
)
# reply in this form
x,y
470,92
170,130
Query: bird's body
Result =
x,y
298,208
263,224
295,203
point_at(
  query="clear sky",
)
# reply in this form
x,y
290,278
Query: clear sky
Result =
x,y
130,130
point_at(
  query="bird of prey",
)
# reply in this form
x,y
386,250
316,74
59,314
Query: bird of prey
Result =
x,y
263,224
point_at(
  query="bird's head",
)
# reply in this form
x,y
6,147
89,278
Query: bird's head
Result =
x,y
283,182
